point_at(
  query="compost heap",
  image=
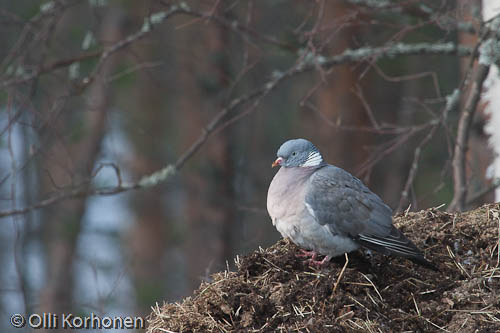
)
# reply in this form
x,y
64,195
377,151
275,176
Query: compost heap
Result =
x,y
273,290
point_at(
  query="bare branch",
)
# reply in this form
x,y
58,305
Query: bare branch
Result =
x,y
479,194
391,51
103,55
461,145
308,61
452,104
348,56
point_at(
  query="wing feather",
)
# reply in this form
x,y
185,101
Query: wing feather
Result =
x,y
342,202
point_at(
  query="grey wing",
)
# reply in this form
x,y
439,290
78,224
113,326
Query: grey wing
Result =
x,y
346,205
342,202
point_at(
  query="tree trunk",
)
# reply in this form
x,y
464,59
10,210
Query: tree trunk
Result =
x,y
479,155
336,100
71,162
209,210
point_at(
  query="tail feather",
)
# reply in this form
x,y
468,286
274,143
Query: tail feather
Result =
x,y
395,244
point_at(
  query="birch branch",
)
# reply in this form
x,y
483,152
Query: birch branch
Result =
x,y
488,51
307,62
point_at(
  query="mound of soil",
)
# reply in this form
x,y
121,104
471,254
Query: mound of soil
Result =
x,y
273,290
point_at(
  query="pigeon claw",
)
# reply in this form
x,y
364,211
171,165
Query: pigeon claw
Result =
x,y
318,263
312,255
307,254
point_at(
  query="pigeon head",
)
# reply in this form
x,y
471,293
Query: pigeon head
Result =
x,y
298,153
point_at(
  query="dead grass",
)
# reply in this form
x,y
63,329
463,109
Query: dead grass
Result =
x,y
272,290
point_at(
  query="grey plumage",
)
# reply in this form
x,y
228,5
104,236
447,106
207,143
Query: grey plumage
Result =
x,y
324,208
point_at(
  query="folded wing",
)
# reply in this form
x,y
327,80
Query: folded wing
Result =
x,y
342,202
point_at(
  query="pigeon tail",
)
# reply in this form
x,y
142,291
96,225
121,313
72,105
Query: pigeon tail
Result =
x,y
395,244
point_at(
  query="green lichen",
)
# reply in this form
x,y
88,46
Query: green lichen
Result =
x,y
157,177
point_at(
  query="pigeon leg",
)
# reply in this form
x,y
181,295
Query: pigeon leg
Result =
x,y
307,254
312,255
319,263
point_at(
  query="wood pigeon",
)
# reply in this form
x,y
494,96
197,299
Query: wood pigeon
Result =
x,y
325,209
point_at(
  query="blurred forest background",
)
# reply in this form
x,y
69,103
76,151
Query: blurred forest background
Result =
x,y
136,137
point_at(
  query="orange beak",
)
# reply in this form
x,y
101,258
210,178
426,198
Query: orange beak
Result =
x,y
278,161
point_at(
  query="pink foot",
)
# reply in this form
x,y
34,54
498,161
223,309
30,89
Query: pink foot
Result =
x,y
307,254
312,255
319,263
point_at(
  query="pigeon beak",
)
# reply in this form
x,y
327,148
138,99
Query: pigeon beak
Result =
x,y
278,161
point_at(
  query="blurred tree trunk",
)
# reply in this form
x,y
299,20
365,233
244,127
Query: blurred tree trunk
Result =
x,y
335,98
403,113
203,75
147,125
75,140
479,154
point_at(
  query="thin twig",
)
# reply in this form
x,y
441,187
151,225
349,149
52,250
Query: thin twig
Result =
x,y
341,273
478,195
225,116
452,104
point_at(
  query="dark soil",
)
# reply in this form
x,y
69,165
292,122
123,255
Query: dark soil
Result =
x,y
273,290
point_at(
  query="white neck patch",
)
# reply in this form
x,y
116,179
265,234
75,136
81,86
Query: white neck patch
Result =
x,y
314,159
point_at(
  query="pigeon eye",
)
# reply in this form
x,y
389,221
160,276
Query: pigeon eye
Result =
x,y
294,153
